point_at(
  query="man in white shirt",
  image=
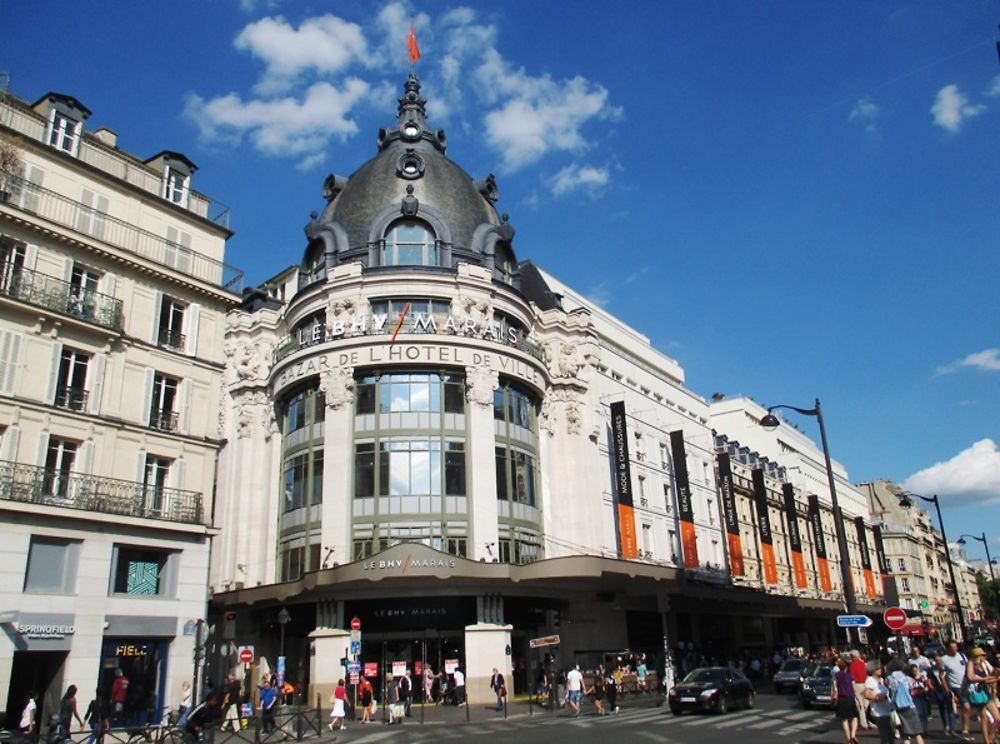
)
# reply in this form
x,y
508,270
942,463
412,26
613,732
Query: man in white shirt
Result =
x,y
953,675
459,676
28,716
574,687
922,662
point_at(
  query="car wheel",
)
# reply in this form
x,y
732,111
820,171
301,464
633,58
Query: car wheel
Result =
x,y
675,710
720,704
751,699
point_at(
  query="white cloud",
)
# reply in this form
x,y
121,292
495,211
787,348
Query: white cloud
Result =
x,y
282,126
994,87
536,114
576,176
325,44
952,107
987,360
865,112
972,477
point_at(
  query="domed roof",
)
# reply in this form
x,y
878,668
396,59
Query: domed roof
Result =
x,y
411,175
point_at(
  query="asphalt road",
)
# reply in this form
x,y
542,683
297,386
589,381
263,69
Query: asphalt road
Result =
x,y
774,718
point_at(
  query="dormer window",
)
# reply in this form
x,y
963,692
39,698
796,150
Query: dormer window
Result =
x,y
175,186
64,132
409,243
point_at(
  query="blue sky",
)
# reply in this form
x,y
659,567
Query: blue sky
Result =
x,y
793,199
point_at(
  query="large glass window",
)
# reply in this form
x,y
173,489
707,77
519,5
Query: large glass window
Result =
x,y
307,406
52,564
59,459
515,475
393,307
299,487
514,406
411,467
417,392
71,385
140,571
409,243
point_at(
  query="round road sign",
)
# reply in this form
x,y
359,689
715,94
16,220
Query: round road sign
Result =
x,y
246,656
355,623
895,618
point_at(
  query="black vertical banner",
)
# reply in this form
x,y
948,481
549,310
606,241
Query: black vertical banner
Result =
x,y
729,513
685,509
764,526
627,544
889,589
866,558
794,537
822,562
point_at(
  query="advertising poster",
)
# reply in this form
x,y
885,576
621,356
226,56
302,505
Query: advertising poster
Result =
x,y
729,513
685,509
628,546
794,537
816,525
764,527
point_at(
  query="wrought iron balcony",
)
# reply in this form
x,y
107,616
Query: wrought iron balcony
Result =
x,y
71,398
171,339
30,197
51,487
163,420
62,297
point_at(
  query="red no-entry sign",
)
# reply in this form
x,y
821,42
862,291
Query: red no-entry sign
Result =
x,y
895,618
246,656
355,623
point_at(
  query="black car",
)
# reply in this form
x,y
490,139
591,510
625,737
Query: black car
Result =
x,y
817,688
787,677
711,689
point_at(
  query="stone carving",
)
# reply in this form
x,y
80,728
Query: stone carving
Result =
x,y
569,360
337,386
253,411
546,417
466,309
349,313
244,409
480,382
572,419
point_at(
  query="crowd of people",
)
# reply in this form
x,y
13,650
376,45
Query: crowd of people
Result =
x,y
898,696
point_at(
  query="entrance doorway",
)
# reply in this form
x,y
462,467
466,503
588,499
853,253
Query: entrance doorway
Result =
x,y
431,649
40,672
143,662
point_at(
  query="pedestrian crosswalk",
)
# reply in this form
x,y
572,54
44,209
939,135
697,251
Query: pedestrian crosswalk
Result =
x,y
649,723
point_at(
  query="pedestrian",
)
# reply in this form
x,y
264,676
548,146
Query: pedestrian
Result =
x,y
597,690
338,702
268,703
978,678
859,673
459,676
406,692
201,717
954,663
877,695
367,700
499,689
429,678
847,706
29,713
612,686
185,707
119,695
921,694
97,716
640,675
574,689
901,686
68,711
938,695
922,662
231,704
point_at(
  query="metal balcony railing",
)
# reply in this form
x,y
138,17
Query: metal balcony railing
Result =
x,y
30,197
163,420
112,161
62,297
50,487
71,398
171,339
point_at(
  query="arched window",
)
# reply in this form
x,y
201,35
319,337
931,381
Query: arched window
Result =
x,y
409,243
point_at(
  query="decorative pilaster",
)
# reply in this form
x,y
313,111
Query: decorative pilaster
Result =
x,y
481,477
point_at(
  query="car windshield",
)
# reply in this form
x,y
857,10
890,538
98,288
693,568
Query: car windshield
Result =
x,y
823,672
792,665
700,676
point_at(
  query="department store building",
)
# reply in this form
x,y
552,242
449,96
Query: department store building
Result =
x,y
429,433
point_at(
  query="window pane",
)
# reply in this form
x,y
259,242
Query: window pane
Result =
x,y
50,566
140,571
364,397
501,458
454,398
399,473
317,481
454,469
364,471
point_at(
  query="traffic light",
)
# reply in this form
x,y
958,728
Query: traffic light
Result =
x,y
229,627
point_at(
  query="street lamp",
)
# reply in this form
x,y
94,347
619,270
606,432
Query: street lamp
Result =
x,y
283,619
985,542
772,422
906,502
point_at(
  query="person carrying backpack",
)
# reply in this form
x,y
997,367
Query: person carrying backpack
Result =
x,y
901,688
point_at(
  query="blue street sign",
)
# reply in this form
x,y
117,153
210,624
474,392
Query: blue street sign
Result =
x,y
853,621
355,648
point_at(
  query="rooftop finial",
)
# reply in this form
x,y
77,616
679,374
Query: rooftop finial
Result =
x,y
411,103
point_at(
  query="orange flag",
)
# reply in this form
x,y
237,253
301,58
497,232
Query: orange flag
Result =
x,y
411,46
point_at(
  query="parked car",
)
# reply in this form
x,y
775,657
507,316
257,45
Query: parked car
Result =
x,y
816,689
787,676
712,689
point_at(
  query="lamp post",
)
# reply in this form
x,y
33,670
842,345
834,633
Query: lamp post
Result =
x,y
771,422
985,542
906,502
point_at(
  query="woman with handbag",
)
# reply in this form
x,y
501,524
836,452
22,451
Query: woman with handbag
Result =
x,y
847,706
880,705
976,680
902,687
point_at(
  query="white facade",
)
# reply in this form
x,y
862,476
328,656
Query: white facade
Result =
x,y
113,296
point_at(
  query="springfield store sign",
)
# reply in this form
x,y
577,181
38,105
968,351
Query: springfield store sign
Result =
x,y
45,631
